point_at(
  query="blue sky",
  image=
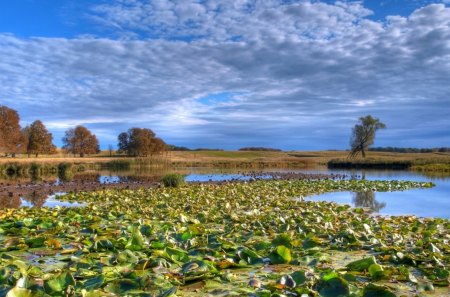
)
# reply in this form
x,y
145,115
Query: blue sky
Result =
x,y
216,73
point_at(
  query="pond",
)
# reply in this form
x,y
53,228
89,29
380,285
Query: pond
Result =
x,y
51,201
434,202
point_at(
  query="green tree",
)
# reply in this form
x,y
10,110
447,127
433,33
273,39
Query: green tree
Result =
x,y
12,140
363,135
80,141
39,140
140,142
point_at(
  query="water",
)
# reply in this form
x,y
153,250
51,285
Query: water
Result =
x,y
51,201
433,202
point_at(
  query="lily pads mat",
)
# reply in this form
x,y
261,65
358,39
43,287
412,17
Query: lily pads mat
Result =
x,y
235,239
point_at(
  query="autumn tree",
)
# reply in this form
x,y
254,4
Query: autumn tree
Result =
x,y
363,135
11,138
38,139
80,141
140,142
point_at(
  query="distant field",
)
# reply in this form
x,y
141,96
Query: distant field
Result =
x,y
218,158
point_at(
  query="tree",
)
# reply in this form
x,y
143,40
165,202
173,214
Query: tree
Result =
x,y
159,146
11,138
38,139
140,142
363,135
80,141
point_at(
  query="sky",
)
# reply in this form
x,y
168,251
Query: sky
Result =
x,y
288,74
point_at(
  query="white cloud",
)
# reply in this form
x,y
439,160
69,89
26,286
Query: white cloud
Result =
x,y
302,67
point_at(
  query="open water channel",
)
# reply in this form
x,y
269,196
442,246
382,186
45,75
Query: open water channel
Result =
x,y
433,202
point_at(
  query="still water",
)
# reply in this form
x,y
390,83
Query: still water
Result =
x,y
433,202
51,201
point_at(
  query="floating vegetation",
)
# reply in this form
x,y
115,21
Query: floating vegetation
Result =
x,y
234,239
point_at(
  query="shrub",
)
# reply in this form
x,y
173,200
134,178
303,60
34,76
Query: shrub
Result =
x,y
63,167
65,171
173,180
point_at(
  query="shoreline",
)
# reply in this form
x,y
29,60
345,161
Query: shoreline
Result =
x,y
11,194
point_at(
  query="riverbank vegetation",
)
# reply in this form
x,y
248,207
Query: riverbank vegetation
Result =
x,y
419,164
244,239
425,162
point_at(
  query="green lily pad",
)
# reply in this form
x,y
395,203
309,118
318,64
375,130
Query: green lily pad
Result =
x,y
376,271
281,255
361,265
136,241
121,286
372,290
333,287
94,282
59,285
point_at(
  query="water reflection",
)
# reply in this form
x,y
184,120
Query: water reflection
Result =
x,y
367,199
16,191
35,199
10,200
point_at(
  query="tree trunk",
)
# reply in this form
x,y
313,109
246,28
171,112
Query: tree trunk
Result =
x,y
363,153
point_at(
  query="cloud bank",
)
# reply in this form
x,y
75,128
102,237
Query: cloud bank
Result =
x,y
296,74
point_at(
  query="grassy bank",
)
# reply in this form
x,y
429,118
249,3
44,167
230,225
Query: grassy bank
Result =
x,y
369,164
245,239
251,160
438,164
437,167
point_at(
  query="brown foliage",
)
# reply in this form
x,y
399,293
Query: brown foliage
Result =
x,y
80,141
11,138
140,142
39,140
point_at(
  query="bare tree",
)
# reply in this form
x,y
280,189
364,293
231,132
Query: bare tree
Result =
x,y
80,141
363,135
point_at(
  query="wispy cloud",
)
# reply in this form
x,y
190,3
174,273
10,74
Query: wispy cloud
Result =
x,y
300,73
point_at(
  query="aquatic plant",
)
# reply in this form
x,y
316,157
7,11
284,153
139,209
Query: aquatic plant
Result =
x,y
235,239
173,180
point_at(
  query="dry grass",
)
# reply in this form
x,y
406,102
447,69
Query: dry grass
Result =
x,y
307,158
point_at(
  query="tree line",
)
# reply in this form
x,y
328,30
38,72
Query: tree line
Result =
x,y
259,149
35,139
